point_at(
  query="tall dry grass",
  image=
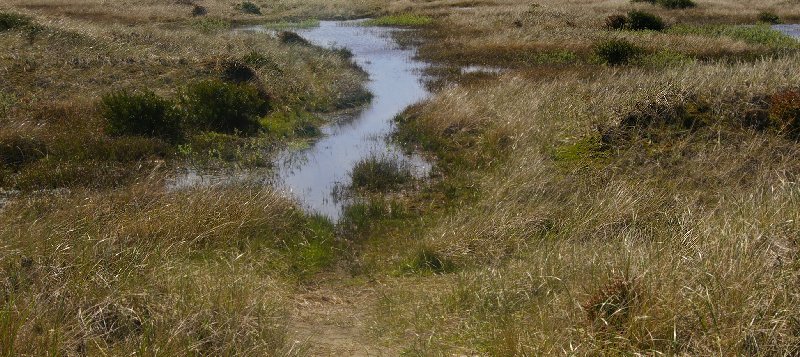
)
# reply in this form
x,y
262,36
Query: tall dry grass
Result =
x,y
681,246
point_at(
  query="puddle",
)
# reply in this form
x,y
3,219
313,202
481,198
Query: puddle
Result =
x,y
312,174
790,29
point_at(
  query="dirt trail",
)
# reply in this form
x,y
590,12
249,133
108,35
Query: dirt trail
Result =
x,y
332,320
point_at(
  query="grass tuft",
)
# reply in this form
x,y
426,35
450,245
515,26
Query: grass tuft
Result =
x,y
617,52
141,113
380,174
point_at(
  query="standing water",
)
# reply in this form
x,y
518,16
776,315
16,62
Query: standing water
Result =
x,y
791,30
395,81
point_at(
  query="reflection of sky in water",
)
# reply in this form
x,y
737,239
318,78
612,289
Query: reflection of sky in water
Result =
x,y
791,30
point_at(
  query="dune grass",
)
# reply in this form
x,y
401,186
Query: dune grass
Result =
x,y
575,207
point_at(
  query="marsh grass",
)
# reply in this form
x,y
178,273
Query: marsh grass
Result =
x,y
380,174
400,20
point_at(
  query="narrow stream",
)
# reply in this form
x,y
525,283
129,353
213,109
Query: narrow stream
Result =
x,y
789,29
395,81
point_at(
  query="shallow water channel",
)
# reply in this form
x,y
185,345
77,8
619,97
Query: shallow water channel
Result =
x,y
312,175
789,29
395,81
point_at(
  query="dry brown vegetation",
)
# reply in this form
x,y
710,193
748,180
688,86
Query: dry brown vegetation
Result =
x,y
577,208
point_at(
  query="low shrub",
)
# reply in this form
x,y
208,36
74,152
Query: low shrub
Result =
x,y
670,4
617,51
10,21
784,112
769,17
380,174
616,22
17,151
238,72
641,20
611,307
291,38
198,10
141,114
248,7
217,106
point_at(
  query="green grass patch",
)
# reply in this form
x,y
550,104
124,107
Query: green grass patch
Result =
x,y
379,174
761,34
581,153
615,52
211,25
400,20
290,123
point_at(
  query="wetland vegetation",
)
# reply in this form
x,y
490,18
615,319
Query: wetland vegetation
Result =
x,y
624,183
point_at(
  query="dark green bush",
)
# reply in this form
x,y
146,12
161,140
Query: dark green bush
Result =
x,y
217,106
616,22
641,20
380,173
769,17
9,21
670,4
17,151
250,8
617,51
198,10
141,114
291,38
676,4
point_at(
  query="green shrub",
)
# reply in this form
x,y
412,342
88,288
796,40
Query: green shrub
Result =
x,y
141,114
248,7
9,21
217,106
670,4
784,112
291,38
769,17
616,22
641,20
17,151
380,173
617,51
198,10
